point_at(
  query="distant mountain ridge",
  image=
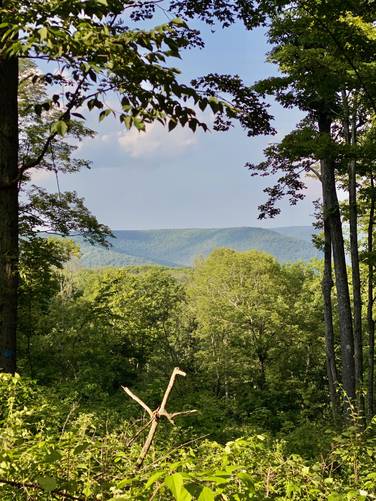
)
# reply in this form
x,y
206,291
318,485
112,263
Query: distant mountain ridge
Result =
x,y
180,247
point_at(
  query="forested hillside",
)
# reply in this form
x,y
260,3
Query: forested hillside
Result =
x,y
182,247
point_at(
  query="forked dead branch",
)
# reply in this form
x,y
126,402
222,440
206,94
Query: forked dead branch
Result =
x,y
159,412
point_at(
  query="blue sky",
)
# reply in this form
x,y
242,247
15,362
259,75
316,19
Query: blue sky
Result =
x,y
180,179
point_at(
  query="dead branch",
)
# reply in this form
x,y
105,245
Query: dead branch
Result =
x,y
138,433
138,400
157,414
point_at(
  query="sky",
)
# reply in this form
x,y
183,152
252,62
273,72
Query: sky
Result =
x,y
180,179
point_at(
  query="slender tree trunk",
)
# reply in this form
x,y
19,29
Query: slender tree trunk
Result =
x,y
350,135
8,211
332,214
327,285
356,284
370,320
29,331
262,356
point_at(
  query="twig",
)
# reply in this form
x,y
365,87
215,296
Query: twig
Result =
x,y
175,372
182,413
148,442
71,411
138,400
155,492
130,442
157,414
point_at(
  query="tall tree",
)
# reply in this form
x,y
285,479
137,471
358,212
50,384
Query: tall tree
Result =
x,y
8,203
321,82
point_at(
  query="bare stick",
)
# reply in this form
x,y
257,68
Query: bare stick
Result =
x,y
138,400
130,442
175,372
148,441
172,416
183,413
157,414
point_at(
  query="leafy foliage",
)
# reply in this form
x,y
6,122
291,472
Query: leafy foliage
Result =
x,y
50,446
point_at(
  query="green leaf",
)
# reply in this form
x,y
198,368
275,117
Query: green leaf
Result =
x,y
214,104
123,483
48,484
139,124
206,495
193,125
246,478
176,486
60,127
103,114
128,121
78,115
92,75
80,448
154,478
177,21
335,497
172,124
87,490
202,104
43,33
53,457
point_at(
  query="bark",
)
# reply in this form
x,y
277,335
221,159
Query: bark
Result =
x,y
327,285
350,135
370,319
8,212
333,218
262,355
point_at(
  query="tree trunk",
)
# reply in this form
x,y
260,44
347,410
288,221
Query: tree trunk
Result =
x,y
332,214
370,320
262,356
327,285
350,136
8,212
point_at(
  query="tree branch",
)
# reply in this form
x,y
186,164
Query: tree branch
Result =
x,y
138,400
157,414
36,161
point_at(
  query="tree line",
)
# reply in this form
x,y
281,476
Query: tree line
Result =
x,y
247,330
324,52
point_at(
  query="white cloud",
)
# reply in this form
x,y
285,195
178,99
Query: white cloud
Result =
x,y
314,189
40,175
156,140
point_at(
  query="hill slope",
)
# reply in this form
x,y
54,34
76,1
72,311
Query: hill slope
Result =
x,y
182,246
300,232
